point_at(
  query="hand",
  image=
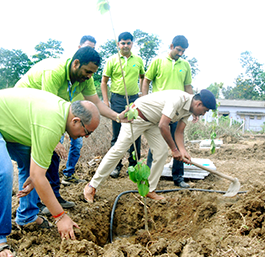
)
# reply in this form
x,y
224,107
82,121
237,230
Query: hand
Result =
x,y
65,227
61,151
123,118
186,157
27,188
177,155
195,118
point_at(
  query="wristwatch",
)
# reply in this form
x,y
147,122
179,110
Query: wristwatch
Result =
x,y
118,120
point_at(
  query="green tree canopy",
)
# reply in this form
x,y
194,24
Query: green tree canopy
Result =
x,y
148,46
249,85
51,49
215,89
13,64
193,65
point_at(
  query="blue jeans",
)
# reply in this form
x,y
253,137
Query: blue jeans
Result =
x,y
73,156
178,167
118,104
6,184
52,172
28,209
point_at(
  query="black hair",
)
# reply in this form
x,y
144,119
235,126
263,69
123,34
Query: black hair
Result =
x,y
197,97
86,55
87,38
125,36
180,41
78,110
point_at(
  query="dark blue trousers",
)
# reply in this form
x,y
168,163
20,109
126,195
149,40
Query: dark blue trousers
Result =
x,y
118,104
178,167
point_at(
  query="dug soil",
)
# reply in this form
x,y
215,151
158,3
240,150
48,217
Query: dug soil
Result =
x,y
188,223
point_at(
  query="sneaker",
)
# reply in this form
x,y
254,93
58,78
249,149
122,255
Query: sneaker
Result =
x,y
65,204
43,210
115,173
182,184
72,180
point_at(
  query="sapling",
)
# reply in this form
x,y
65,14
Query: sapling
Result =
x,y
140,172
213,134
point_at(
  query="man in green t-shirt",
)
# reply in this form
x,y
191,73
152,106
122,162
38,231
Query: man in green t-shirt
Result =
x,y
170,72
133,70
31,125
67,79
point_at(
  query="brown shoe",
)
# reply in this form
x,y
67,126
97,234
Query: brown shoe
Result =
x,y
89,193
153,195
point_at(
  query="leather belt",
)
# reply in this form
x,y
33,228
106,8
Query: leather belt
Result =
x,y
140,113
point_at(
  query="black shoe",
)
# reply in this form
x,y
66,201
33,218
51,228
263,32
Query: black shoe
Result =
x,y
115,173
65,204
182,184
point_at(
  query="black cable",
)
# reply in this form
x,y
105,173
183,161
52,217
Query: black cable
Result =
x,y
159,191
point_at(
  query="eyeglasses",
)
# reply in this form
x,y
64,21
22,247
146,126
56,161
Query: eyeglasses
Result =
x,y
86,131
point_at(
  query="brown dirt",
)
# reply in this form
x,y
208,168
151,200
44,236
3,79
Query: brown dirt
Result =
x,y
186,224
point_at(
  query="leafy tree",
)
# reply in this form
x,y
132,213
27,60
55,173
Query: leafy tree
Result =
x,y
13,64
193,65
51,49
148,46
249,85
105,51
215,89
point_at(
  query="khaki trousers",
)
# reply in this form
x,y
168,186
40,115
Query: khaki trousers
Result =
x,y
156,143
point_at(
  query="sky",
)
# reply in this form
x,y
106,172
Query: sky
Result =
x,y
217,31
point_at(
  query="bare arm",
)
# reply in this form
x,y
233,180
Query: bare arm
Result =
x,y
44,190
145,87
141,79
104,89
105,110
188,89
179,138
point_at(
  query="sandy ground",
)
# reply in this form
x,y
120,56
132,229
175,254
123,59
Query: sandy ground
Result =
x,y
187,223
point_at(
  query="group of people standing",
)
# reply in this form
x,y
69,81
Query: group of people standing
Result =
x,y
33,123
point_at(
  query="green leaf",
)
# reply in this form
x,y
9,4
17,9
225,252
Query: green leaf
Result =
x,y
103,6
145,171
143,187
131,172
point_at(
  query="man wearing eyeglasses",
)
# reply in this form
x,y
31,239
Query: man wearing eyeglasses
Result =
x,y
32,123
167,73
66,79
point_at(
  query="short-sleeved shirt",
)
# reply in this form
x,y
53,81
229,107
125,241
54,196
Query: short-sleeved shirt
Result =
x,y
132,68
33,118
53,75
166,74
175,104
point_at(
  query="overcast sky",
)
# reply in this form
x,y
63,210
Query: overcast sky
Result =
x,y
217,31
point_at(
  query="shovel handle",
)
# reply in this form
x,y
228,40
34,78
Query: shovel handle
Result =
x,y
213,171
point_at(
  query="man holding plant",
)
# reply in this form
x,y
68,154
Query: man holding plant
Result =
x,y
155,112
133,69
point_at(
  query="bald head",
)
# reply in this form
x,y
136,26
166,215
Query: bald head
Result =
x,y
93,122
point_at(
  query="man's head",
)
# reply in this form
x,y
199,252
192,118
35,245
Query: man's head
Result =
x,y
178,46
125,43
84,64
203,102
87,41
83,119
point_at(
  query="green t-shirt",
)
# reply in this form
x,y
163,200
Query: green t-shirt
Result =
x,y
167,74
52,75
132,67
33,118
